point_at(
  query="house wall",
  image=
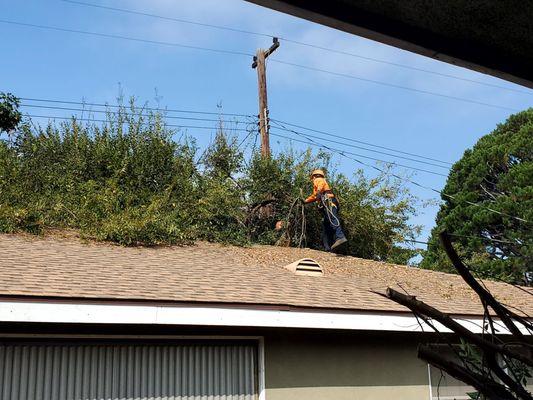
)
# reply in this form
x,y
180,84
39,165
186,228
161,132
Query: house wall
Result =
x,y
299,364
339,366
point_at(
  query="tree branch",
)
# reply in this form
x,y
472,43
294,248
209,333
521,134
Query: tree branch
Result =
x,y
419,307
491,389
483,294
516,387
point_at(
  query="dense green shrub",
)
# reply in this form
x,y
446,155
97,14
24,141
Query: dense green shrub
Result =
x,y
127,181
376,215
130,181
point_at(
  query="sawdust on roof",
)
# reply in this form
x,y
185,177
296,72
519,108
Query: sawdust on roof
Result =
x,y
61,264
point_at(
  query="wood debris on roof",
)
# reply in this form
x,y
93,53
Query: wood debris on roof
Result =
x,y
63,266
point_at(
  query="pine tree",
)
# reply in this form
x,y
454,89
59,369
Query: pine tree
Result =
x,y
496,232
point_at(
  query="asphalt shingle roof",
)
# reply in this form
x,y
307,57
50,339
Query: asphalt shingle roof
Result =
x,y
65,267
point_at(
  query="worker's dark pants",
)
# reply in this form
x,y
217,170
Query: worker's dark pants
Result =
x,y
331,225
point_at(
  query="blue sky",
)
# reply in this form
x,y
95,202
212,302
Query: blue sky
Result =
x,y
67,66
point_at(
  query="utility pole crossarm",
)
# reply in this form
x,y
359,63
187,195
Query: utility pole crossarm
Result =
x,y
275,45
259,63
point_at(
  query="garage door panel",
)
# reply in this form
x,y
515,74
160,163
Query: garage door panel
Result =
x,y
140,372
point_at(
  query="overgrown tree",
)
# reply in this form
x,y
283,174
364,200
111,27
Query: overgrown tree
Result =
x,y
375,212
220,210
376,215
125,181
488,204
130,181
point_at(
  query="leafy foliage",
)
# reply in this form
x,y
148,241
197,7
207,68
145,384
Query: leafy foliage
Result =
x,y
119,182
496,174
375,216
130,181
10,116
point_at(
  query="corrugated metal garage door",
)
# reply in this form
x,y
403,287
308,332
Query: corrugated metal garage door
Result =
x,y
123,371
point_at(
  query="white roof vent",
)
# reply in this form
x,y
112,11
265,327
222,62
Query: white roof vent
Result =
x,y
306,266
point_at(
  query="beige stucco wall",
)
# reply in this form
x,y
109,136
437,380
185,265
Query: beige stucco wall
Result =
x,y
338,366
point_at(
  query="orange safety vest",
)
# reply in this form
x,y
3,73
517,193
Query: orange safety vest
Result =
x,y
319,185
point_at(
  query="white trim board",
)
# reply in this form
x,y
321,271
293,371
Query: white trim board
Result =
x,y
84,312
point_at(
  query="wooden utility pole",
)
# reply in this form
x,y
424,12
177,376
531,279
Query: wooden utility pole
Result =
x,y
260,64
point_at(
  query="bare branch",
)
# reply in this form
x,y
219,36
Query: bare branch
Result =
x,y
485,374
484,295
491,195
422,308
488,387
506,379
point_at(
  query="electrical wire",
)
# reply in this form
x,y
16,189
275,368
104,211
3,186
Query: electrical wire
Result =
x,y
24,99
488,239
127,114
234,129
370,150
297,42
329,134
343,152
144,123
409,67
84,103
393,85
214,120
239,53
312,142
245,138
180,20
112,36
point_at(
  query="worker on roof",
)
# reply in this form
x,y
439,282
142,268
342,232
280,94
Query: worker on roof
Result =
x,y
332,234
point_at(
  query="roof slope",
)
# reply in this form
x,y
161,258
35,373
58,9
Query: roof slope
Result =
x,y
66,267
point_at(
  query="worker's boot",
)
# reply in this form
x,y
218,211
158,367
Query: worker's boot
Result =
x,y
338,242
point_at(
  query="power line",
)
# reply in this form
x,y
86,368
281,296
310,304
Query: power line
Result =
x,y
427,71
488,239
237,122
347,153
343,75
144,123
163,110
360,141
239,53
112,36
180,20
343,152
297,42
245,138
363,148
213,120
240,130
452,197
128,114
